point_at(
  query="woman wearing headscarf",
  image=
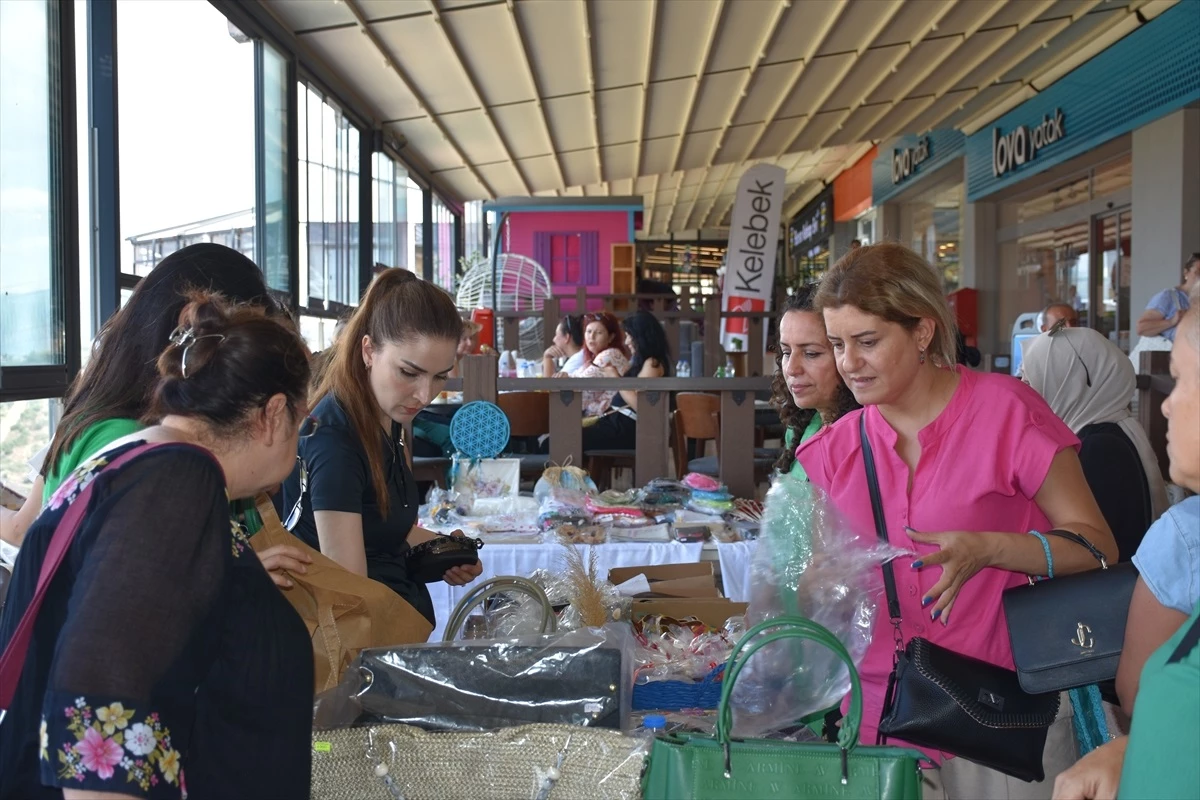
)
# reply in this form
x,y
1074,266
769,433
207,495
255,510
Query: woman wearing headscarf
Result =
x,y
1087,381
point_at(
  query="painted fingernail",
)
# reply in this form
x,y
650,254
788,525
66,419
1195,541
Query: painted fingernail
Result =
x,y
918,564
910,530
937,613
926,601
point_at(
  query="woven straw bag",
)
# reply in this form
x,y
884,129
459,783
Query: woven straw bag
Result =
x,y
386,762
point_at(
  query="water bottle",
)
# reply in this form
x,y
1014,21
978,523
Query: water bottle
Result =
x,y
683,369
653,725
729,371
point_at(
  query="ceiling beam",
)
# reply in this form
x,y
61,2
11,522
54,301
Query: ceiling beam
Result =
x,y
585,9
869,36
814,46
537,93
648,213
389,60
674,203
920,74
705,54
851,159
652,22
941,10
1032,8
717,194
687,218
759,53
479,98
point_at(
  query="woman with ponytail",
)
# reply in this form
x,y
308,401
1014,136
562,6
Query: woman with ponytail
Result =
x,y
162,658
354,496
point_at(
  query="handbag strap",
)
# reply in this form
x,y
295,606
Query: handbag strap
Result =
x,y
1071,536
495,586
13,659
889,577
766,633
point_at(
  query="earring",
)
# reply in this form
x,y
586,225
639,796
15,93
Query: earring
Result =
x,y
922,356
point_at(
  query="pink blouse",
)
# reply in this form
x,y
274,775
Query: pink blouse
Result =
x,y
596,403
982,462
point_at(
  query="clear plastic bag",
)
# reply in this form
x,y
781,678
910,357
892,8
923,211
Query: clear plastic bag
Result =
x,y
810,562
582,677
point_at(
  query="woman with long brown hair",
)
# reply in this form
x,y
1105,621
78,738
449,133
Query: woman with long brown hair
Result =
x,y
355,495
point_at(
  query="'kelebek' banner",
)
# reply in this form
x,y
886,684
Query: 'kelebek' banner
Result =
x,y
753,245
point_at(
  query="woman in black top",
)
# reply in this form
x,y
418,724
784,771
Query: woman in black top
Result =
x,y
356,495
163,659
647,344
1088,382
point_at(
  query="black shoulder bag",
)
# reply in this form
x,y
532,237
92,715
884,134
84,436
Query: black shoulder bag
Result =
x,y
957,704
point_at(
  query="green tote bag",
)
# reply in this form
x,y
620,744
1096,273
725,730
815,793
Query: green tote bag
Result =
x,y
696,767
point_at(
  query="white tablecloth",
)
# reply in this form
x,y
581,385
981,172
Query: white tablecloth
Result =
x,y
523,559
735,559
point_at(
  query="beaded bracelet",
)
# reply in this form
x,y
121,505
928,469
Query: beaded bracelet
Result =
x,y
1046,548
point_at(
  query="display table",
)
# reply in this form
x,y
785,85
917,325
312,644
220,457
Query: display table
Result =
x,y
524,559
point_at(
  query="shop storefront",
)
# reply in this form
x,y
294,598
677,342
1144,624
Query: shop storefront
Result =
x,y
1061,171
853,209
918,190
810,235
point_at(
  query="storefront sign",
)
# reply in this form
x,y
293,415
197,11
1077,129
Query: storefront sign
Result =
x,y
814,223
753,244
1020,145
906,160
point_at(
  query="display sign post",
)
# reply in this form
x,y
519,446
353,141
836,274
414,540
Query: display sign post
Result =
x,y
753,248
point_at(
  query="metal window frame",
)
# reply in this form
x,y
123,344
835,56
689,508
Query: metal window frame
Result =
x,y
53,380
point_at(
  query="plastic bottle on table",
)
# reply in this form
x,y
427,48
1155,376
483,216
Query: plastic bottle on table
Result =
x,y
653,725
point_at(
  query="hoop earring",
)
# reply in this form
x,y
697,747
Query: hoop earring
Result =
x,y
922,355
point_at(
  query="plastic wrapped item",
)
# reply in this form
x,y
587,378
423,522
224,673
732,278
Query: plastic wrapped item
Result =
x,y
570,533
533,762
565,477
661,494
810,562
448,506
582,677
560,505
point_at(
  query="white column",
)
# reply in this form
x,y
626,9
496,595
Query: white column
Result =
x,y
980,270
1166,204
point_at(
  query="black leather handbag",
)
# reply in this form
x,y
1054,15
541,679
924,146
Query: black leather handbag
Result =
x,y
941,699
1069,631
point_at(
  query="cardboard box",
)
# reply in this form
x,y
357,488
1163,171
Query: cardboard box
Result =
x,y
712,612
672,580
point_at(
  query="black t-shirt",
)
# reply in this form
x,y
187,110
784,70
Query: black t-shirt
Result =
x,y
339,479
1114,472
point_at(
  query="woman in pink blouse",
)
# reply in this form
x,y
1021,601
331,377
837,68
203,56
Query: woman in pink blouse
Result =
x,y
603,346
968,464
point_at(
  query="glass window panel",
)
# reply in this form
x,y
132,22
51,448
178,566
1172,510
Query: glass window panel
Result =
x,y
31,330
183,49
26,426
1113,176
1070,193
274,259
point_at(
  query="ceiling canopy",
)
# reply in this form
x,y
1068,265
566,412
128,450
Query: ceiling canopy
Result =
x,y
673,99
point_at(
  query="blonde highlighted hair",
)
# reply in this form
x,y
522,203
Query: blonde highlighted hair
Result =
x,y
893,283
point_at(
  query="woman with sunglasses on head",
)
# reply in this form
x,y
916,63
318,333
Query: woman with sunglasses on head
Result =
x,y
972,469
163,660
807,390
110,396
1088,381
603,347
568,344
354,496
1160,661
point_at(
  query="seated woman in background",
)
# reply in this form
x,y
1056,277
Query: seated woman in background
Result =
x,y
616,429
162,646
1087,381
807,390
1158,757
603,346
568,344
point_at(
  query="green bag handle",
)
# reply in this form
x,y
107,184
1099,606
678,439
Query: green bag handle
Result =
x,y
793,628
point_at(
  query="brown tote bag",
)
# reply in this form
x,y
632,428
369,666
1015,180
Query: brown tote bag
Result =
x,y
344,612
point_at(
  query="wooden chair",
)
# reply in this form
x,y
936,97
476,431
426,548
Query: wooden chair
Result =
x,y
697,416
528,417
